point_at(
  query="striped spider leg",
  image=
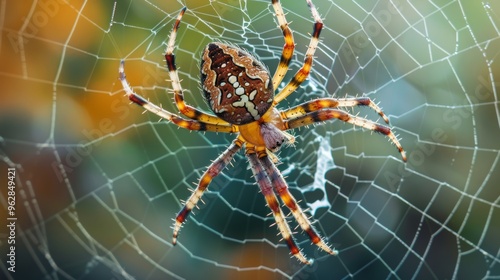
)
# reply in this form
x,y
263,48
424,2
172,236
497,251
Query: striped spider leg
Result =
x,y
324,109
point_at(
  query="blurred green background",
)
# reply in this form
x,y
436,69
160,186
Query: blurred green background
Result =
x,y
98,182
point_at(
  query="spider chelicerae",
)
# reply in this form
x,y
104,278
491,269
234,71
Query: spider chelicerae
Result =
x,y
239,90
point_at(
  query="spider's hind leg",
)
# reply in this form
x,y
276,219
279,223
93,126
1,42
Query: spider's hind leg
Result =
x,y
272,202
282,189
213,170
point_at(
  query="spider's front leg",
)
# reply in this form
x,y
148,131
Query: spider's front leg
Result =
x,y
302,74
213,170
288,48
189,124
184,108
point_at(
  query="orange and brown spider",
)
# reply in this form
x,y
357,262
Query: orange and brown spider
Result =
x,y
240,92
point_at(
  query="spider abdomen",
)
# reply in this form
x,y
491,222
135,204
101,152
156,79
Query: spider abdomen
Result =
x,y
236,85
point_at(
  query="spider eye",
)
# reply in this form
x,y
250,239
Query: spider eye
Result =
x,y
236,85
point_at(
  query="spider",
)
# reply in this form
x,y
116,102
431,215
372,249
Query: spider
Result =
x,y
240,92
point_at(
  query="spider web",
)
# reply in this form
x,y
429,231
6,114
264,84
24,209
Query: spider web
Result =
x,y
97,182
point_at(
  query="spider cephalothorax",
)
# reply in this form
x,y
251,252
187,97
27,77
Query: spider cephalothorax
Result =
x,y
239,90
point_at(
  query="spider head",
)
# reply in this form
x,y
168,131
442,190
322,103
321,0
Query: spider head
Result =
x,y
236,85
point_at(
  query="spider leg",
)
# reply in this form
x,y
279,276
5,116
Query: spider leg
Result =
x,y
267,190
281,188
304,71
181,122
329,113
213,170
184,108
318,104
288,48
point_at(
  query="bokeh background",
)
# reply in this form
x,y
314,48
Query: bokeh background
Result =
x,y
98,182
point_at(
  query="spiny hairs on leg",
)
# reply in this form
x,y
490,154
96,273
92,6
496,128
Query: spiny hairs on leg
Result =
x,y
185,109
213,170
324,103
288,47
267,190
329,113
281,188
302,74
189,124
171,41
